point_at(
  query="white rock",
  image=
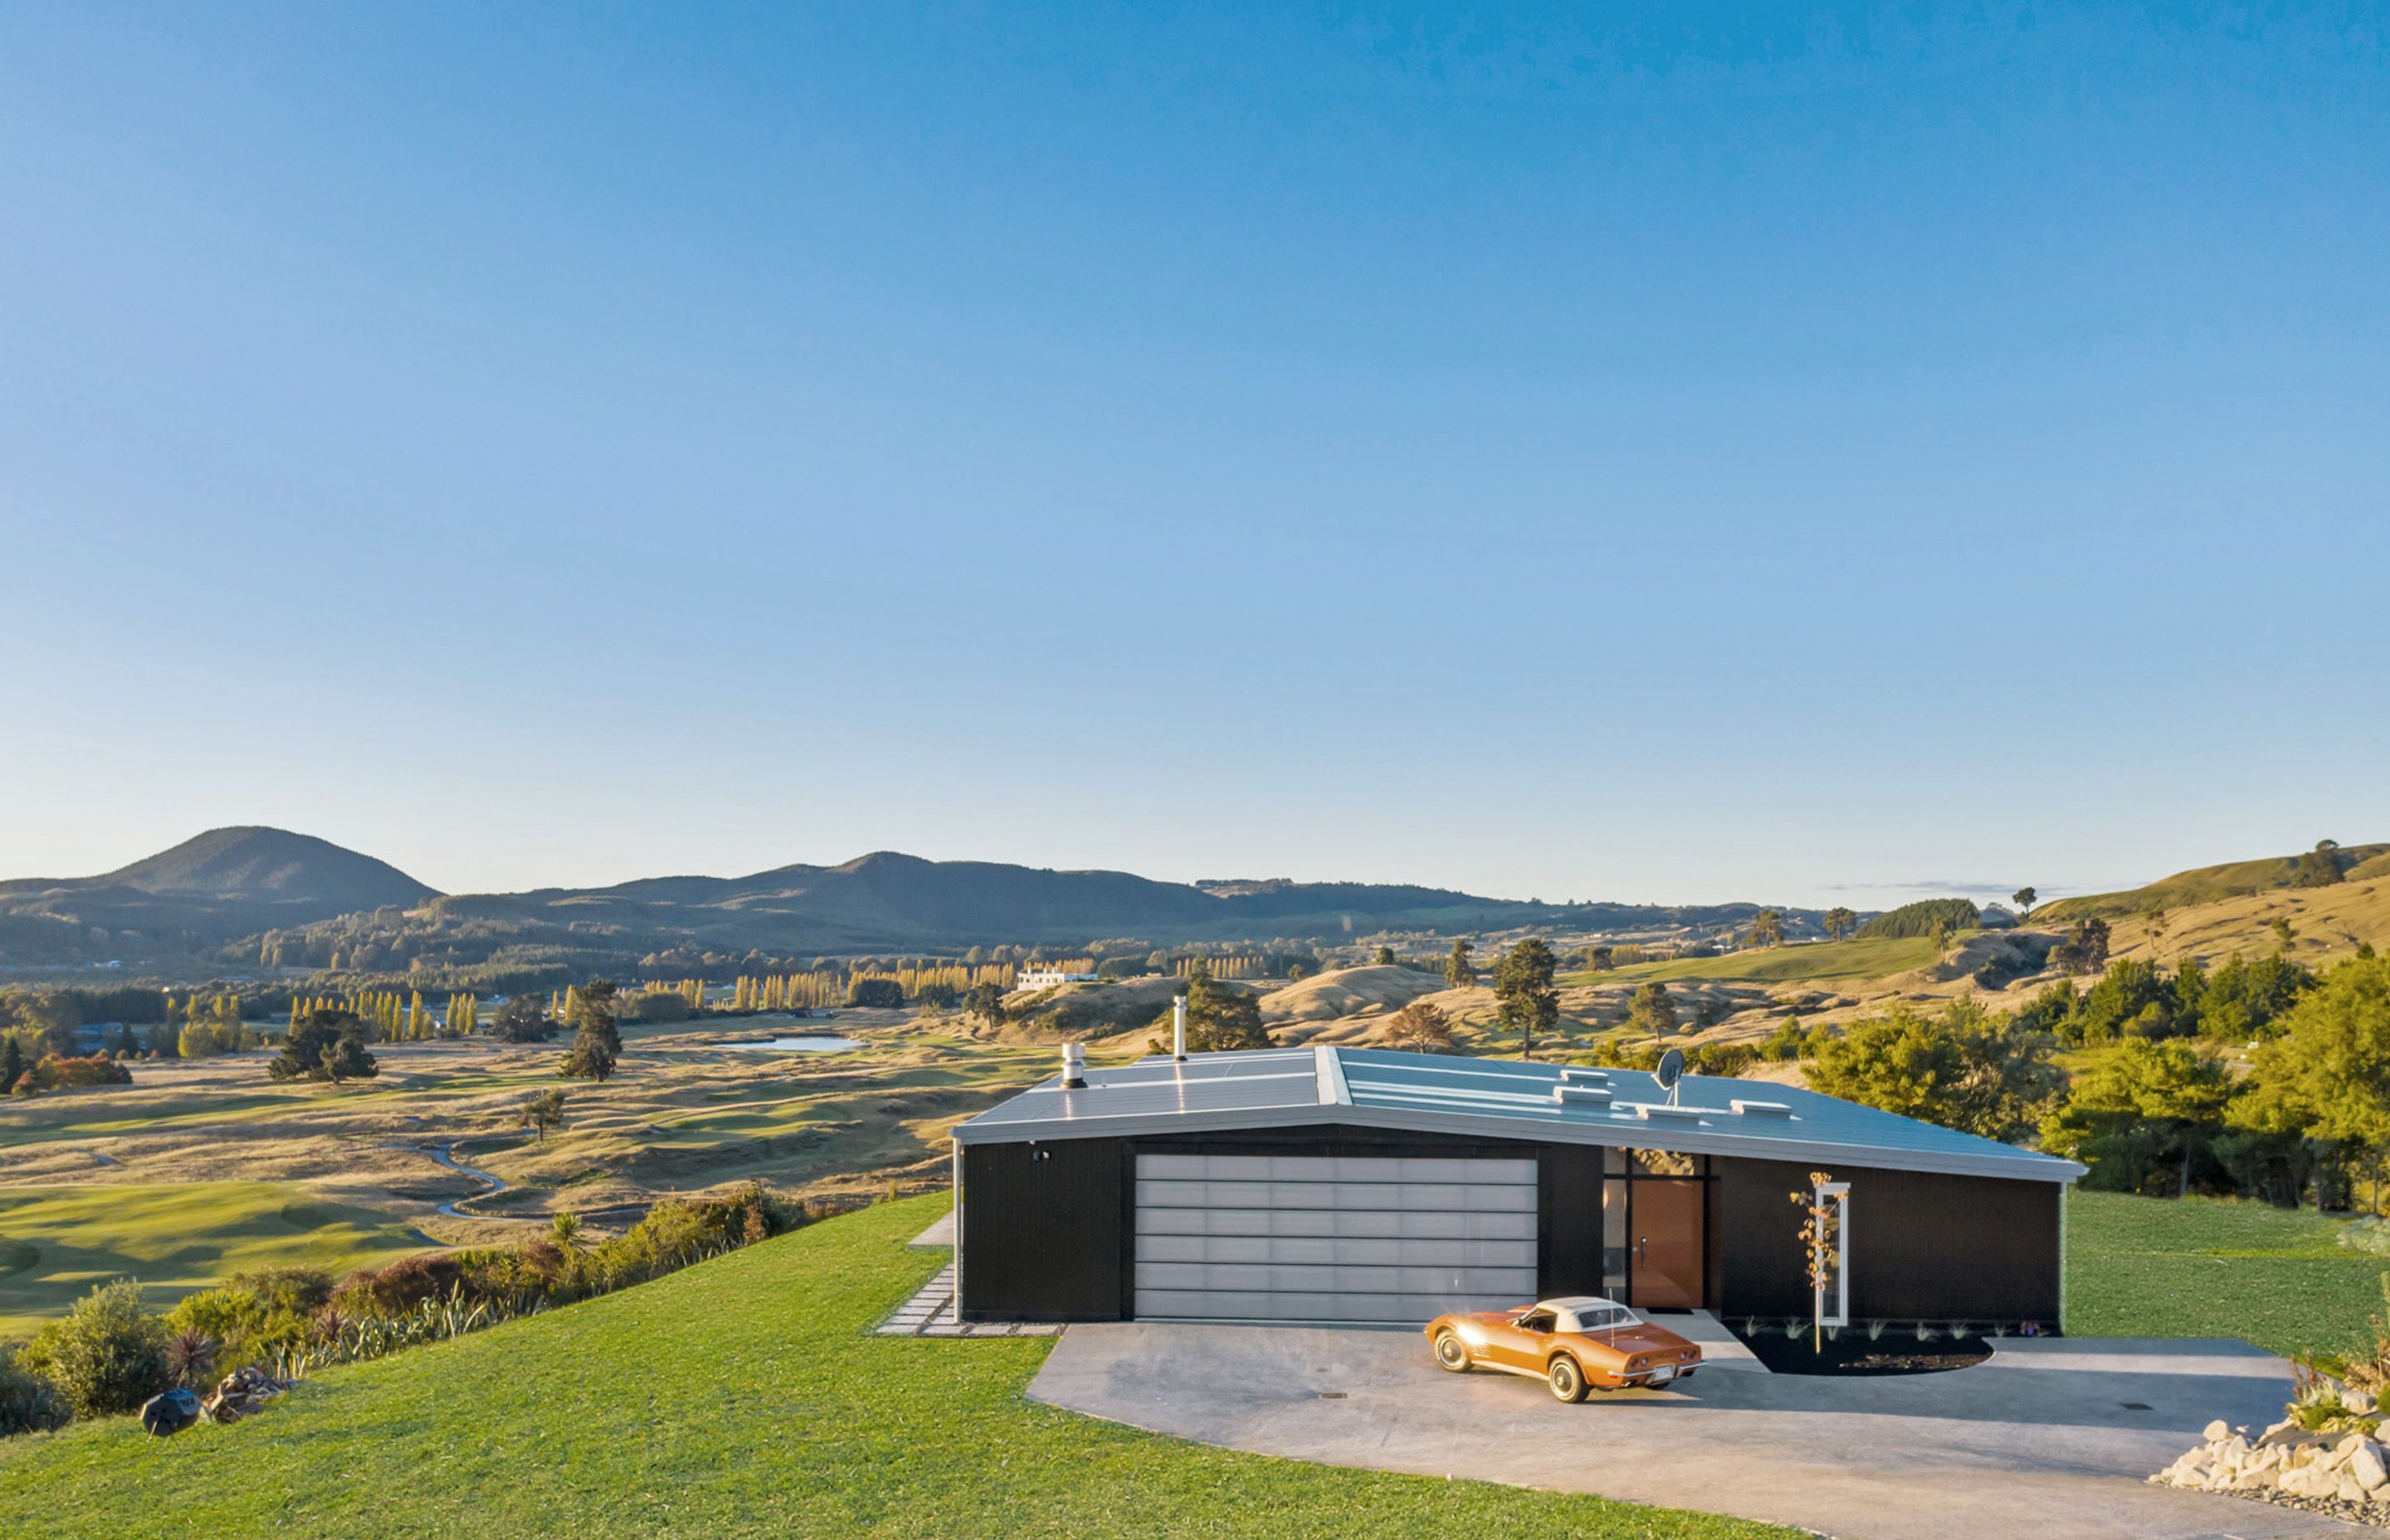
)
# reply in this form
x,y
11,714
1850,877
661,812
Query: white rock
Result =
x,y
2216,1432
2348,1491
2360,1402
2368,1465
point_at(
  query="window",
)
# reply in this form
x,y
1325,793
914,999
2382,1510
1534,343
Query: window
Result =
x,y
1834,1293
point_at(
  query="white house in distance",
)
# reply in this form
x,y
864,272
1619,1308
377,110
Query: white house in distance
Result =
x,y
1047,978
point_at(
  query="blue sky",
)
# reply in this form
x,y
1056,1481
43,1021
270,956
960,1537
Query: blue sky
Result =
x,y
1679,454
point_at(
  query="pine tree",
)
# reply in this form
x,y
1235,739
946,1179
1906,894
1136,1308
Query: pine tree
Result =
x,y
12,1064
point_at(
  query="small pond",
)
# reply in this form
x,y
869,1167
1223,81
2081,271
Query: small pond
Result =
x,y
810,1043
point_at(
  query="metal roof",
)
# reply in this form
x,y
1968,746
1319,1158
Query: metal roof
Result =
x,y
1494,1098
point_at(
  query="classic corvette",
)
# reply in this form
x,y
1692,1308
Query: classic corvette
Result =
x,y
1572,1344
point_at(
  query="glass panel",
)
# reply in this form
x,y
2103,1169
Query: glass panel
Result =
x,y
1664,1262
1663,1163
1613,1160
1614,1240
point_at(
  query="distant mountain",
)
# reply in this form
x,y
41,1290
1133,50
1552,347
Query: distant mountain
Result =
x,y
2210,884
334,908
225,883
886,900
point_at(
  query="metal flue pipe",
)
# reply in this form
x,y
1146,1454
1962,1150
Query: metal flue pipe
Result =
x,y
1179,1027
1074,1067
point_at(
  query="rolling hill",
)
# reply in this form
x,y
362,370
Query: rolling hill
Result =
x,y
225,883
231,884
2209,885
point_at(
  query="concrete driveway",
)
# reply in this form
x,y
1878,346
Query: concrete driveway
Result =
x,y
2044,1440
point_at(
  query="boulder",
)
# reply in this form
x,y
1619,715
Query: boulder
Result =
x,y
2360,1402
170,1412
2368,1467
2219,1430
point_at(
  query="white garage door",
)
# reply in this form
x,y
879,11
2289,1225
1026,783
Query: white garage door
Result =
x,y
1269,1238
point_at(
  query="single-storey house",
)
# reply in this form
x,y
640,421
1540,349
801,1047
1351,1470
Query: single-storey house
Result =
x,y
1360,1185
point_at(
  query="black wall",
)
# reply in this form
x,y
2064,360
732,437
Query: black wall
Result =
x,y
1053,1239
1040,1231
1922,1246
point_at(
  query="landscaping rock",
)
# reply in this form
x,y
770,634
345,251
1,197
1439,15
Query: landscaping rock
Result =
x,y
2219,1430
2360,1402
169,1412
241,1393
2368,1467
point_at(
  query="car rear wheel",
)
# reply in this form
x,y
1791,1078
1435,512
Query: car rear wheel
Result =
x,y
1566,1379
1451,1351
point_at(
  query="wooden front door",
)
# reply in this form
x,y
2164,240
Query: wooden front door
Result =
x,y
1665,1255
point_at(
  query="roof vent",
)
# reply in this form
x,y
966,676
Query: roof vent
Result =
x,y
1654,1111
1578,1072
1074,1067
1762,1109
1580,1096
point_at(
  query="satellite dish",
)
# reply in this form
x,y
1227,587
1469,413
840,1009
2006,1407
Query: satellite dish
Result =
x,y
1672,1070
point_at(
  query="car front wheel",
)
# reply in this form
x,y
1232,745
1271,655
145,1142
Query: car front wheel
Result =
x,y
1451,1351
1567,1381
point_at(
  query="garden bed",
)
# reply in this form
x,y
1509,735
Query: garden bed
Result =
x,y
1852,1354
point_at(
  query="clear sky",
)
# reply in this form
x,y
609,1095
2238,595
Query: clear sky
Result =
x,y
1692,455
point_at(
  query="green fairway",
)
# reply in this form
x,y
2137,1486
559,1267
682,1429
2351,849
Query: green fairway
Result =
x,y
2199,1267
742,1396
1875,957
56,1241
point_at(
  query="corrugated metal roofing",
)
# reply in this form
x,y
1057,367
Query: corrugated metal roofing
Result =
x,y
1495,1098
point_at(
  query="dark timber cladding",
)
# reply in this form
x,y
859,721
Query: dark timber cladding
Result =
x,y
1046,1230
1278,1183
1922,1246
1038,1231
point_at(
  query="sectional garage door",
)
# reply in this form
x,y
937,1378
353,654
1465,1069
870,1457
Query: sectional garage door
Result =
x,y
1266,1237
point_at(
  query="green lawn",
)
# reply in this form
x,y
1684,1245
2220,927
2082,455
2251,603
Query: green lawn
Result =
x,y
1875,957
2199,1267
56,1241
739,1397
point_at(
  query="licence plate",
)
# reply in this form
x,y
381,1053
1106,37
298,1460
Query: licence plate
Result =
x,y
1664,1373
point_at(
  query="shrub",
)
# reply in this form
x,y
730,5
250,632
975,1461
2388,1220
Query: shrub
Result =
x,y
247,1324
29,1403
285,1291
55,1071
399,1288
875,994
107,1356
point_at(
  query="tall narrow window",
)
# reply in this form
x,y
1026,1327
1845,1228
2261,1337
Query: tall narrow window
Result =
x,y
1834,1290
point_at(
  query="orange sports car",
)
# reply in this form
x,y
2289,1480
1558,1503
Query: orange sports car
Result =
x,y
1572,1344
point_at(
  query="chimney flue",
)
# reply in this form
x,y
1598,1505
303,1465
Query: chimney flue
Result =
x,y
1179,1027
1074,1067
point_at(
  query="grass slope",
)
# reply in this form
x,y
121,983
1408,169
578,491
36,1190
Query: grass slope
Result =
x,y
1874,957
2199,1267
2203,885
739,1397
174,1237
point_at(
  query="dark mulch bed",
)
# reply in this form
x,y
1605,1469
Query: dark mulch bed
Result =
x,y
1897,1352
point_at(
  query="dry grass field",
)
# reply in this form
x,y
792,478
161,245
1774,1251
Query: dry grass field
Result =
x,y
205,1167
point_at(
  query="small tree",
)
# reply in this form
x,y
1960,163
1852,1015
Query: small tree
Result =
x,y
1840,923
1459,970
545,1112
2024,898
1652,1010
1419,1027
2320,866
1524,994
328,1043
1386,956
525,1019
876,994
1767,928
1820,1248
1220,1018
985,1003
107,1356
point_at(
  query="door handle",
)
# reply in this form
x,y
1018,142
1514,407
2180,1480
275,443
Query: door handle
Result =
x,y
1643,1253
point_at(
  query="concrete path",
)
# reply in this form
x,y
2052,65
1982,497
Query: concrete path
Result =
x,y
2050,1440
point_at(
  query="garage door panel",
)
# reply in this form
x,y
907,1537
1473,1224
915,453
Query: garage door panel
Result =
x,y
1333,1238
